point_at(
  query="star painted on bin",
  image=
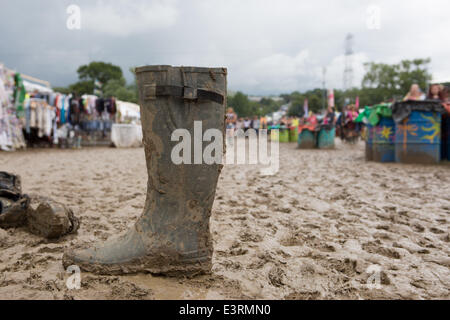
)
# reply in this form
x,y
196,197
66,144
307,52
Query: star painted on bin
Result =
x,y
386,132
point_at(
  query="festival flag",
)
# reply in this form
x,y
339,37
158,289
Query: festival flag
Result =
x,y
357,103
331,98
97,87
306,107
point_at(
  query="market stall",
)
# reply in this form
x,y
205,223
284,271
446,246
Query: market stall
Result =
x,y
127,132
11,137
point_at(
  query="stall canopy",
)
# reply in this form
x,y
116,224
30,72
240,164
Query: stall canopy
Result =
x,y
128,132
34,87
128,112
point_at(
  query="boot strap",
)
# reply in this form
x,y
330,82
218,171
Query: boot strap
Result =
x,y
187,93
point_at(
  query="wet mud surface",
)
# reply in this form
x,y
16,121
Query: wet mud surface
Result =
x,y
316,230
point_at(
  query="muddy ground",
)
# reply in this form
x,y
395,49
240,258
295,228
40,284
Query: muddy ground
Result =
x,y
322,228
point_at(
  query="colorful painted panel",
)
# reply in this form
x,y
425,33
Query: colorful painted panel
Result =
x,y
369,142
306,140
418,138
326,138
384,140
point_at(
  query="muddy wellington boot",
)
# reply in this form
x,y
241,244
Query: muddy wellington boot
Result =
x,y
172,236
49,218
13,205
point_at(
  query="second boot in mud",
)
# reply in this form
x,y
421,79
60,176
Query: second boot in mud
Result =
x,y
172,236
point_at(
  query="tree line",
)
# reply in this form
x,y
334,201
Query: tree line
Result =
x,y
105,77
382,82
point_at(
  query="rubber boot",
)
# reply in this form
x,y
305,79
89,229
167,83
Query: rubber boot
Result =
x,y
13,214
10,186
49,218
13,205
172,236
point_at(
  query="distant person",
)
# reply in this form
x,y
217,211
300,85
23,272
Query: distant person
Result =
x,y
295,122
284,122
415,94
312,119
256,123
435,92
330,117
340,123
231,119
446,99
247,124
240,124
263,123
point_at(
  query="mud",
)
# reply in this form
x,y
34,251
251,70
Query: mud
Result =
x,y
313,231
410,157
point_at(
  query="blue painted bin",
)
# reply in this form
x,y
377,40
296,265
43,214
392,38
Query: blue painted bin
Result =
x,y
326,137
384,140
369,142
418,138
306,140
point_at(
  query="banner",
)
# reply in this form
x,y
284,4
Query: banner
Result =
x,y
306,108
331,98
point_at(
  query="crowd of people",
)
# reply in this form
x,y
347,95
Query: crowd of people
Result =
x,y
233,122
345,121
437,92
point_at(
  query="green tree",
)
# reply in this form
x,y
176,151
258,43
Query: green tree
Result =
x,y
241,104
82,87
100,71
111,77
297,102
388,81
118,88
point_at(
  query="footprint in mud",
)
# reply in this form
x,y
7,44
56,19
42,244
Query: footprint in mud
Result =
x,y
376,248
277,277
303,295
383,227
292,240
237,250
262,260
50,249
347,266
283,210
273,228
382,236
231,265
249,237
437,231
129,291
260,216
418,228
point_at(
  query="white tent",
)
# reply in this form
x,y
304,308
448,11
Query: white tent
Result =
x,y
32,87
128,111
127,135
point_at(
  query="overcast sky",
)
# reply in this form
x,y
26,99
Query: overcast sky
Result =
x,y
269,47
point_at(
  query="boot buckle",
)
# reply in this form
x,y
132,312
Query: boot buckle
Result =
x,y
150,91
189,93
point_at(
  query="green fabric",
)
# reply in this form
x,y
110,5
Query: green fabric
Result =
x,y
19,95
378,111
364,115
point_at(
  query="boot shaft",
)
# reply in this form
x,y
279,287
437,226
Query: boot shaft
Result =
x,y
180,196
174,98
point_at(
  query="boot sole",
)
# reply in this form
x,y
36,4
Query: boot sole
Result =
x,y
176,270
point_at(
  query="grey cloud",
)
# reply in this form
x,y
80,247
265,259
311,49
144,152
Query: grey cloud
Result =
x,y
262,43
